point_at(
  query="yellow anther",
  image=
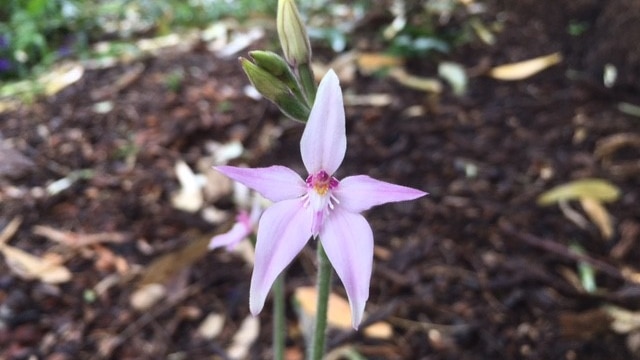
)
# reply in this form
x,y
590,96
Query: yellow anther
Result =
x,y
321,189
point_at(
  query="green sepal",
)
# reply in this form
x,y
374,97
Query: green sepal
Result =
x,y
293,108
278,67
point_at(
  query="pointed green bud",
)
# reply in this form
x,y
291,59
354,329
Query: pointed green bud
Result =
x,y
268,85
276,91
278,67
292,33
271,62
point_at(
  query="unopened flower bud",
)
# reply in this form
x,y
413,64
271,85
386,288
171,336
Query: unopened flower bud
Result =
x,y
271,62
292,33
268,85
275,90
275,65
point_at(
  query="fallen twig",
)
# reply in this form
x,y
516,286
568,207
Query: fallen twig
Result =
x,y
561,250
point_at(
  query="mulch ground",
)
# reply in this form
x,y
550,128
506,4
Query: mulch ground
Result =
x,y
476,270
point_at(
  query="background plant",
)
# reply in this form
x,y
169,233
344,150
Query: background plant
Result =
x,y
36,33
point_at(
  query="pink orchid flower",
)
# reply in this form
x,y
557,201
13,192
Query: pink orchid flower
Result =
x,y
240,230
320,207
244,226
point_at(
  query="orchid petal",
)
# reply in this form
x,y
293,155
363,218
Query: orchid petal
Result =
x,y
348,241
324,140
231,238
284,229
359,193
275,183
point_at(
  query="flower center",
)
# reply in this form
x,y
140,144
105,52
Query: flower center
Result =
x,y
321,182
319,197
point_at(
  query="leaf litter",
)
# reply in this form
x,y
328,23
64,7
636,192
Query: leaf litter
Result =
x,y
516,130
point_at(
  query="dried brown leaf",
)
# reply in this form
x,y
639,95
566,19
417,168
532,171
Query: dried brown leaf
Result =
x,y
369,63
211,326
169,265
107,260
244,338
430,85
379,330
31,267
482,31
338,313
47,269
624,321
375,100
9,230
632,275
190,197
382,253
598,215
148,295
584,325
78,240
524,69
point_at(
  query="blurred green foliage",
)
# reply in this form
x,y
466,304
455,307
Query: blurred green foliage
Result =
x,y
35,33
407,28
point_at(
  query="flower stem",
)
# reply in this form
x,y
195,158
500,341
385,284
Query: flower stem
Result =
x,y
324,284
278,318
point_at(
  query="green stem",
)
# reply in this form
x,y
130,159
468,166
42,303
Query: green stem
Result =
x,y
324,284
278,318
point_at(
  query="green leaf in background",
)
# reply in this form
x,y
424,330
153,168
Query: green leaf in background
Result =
x,y
455,75
598,189
586,272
